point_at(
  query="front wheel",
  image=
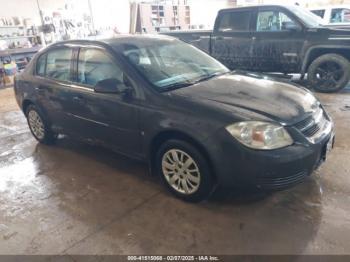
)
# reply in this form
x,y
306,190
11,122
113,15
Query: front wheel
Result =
x,y
329,73
184,170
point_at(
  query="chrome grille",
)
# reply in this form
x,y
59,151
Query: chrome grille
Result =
x,y
312,124
312,130
304,123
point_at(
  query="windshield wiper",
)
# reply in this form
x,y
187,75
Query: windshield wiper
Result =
x,y
176,86
210,76
189,83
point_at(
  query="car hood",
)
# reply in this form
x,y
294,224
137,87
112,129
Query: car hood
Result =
x,y
343,26
276,100
335,31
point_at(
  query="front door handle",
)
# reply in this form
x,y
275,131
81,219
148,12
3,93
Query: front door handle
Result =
x,y
40,89
79,99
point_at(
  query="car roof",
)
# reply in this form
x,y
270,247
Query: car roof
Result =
x,y
137,38
120,40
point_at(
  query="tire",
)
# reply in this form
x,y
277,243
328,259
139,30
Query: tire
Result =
x,y
329,73
188,184
39,126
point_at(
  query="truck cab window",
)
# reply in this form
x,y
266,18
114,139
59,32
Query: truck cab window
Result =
x,y
235,21
272,21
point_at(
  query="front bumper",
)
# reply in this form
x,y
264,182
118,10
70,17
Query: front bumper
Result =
x,y
237,165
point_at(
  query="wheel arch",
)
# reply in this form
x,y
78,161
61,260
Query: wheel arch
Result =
x,y
318,51
25,104
166,135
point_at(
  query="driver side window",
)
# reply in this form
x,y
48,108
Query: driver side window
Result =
x,y
95,65
272,21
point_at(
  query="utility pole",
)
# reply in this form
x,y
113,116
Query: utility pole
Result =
x,y
40,12
133,16
92,17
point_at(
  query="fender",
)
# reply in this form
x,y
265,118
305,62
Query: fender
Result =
x,y
151,144
308,53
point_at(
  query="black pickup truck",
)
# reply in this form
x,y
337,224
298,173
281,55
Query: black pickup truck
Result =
x,y
274,38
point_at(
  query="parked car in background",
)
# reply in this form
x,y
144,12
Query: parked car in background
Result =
x,y
273,38
337,16
166,102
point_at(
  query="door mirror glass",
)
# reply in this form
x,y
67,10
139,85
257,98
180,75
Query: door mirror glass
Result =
x,y
110,85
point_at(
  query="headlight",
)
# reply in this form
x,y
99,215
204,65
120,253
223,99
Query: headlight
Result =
x,y
260,135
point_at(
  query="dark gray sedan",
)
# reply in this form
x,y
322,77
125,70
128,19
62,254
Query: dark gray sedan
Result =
x,y
157,99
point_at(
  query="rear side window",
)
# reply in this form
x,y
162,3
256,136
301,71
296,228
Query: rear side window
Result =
x,y
235,21
40,65
58,64
95,65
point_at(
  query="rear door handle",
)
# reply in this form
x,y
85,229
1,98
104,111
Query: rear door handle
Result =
x,y
219,38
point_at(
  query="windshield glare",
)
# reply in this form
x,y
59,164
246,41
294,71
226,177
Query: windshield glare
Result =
x,y
309,18
173,64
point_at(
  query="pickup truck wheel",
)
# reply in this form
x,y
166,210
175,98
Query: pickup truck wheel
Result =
x,y
329,73
38,126
184,171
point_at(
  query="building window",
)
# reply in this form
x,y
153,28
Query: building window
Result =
x,y
162,21
154,21
175,10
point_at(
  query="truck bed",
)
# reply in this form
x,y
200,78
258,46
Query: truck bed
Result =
x,y
198,38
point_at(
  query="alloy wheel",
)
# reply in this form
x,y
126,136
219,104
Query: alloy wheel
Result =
x,y
329,74
181,171
36,124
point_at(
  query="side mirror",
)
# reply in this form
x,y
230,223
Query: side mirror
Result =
x,y
291,26
111,86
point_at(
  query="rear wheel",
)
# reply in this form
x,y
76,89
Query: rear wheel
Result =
x,y
184,170
329,73
39,126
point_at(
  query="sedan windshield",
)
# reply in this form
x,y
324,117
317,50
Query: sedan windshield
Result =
x,y
309,18
173,64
